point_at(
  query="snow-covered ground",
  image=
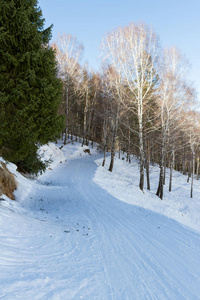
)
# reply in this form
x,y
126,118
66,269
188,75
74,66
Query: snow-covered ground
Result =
x,y
68,235
123,184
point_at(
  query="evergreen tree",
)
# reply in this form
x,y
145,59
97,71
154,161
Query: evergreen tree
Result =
x,y
30,92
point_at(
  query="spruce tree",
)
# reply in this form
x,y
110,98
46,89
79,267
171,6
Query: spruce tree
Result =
x,y
30,92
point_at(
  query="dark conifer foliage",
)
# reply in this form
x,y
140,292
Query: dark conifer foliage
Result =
x,y
30,92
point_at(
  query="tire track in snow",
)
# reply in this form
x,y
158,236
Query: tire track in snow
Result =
x,y
118,251
98,202
82,191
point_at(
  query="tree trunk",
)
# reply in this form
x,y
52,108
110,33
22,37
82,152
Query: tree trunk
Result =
x,y
189,171
197,171
141,148
112,161
171,170
129,146
159,192
193,168
104,157
89,127
147,173
114,136
66,112
85,117
164,175
113,149
184,162
105,138
147,159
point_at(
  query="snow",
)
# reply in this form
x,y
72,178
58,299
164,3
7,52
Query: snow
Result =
x,y
80,232
52,154
123,182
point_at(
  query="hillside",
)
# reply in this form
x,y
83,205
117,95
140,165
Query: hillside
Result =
x,y
80,232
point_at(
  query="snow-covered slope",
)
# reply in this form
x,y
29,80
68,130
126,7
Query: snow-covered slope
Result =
x,y
123,184
67,238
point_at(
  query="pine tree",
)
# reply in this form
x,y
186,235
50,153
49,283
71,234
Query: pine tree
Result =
x,y
30,92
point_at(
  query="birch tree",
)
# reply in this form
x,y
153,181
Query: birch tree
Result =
x,y
192,132
133,52
113,91
171,98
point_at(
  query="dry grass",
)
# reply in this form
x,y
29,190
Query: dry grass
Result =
x,y
7,182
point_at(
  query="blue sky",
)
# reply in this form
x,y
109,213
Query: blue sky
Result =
x,y
177,22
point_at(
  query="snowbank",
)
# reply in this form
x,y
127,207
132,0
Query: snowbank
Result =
x,y
123,183
51,153
54,154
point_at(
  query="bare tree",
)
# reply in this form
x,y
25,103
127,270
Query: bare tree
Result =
x,y
171,98
113,89
85,93
192,131
133,52
68,53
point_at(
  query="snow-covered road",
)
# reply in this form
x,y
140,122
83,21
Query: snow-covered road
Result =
x,y
76,241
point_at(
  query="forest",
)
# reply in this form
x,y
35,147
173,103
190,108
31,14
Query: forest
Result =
x,y
139,103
